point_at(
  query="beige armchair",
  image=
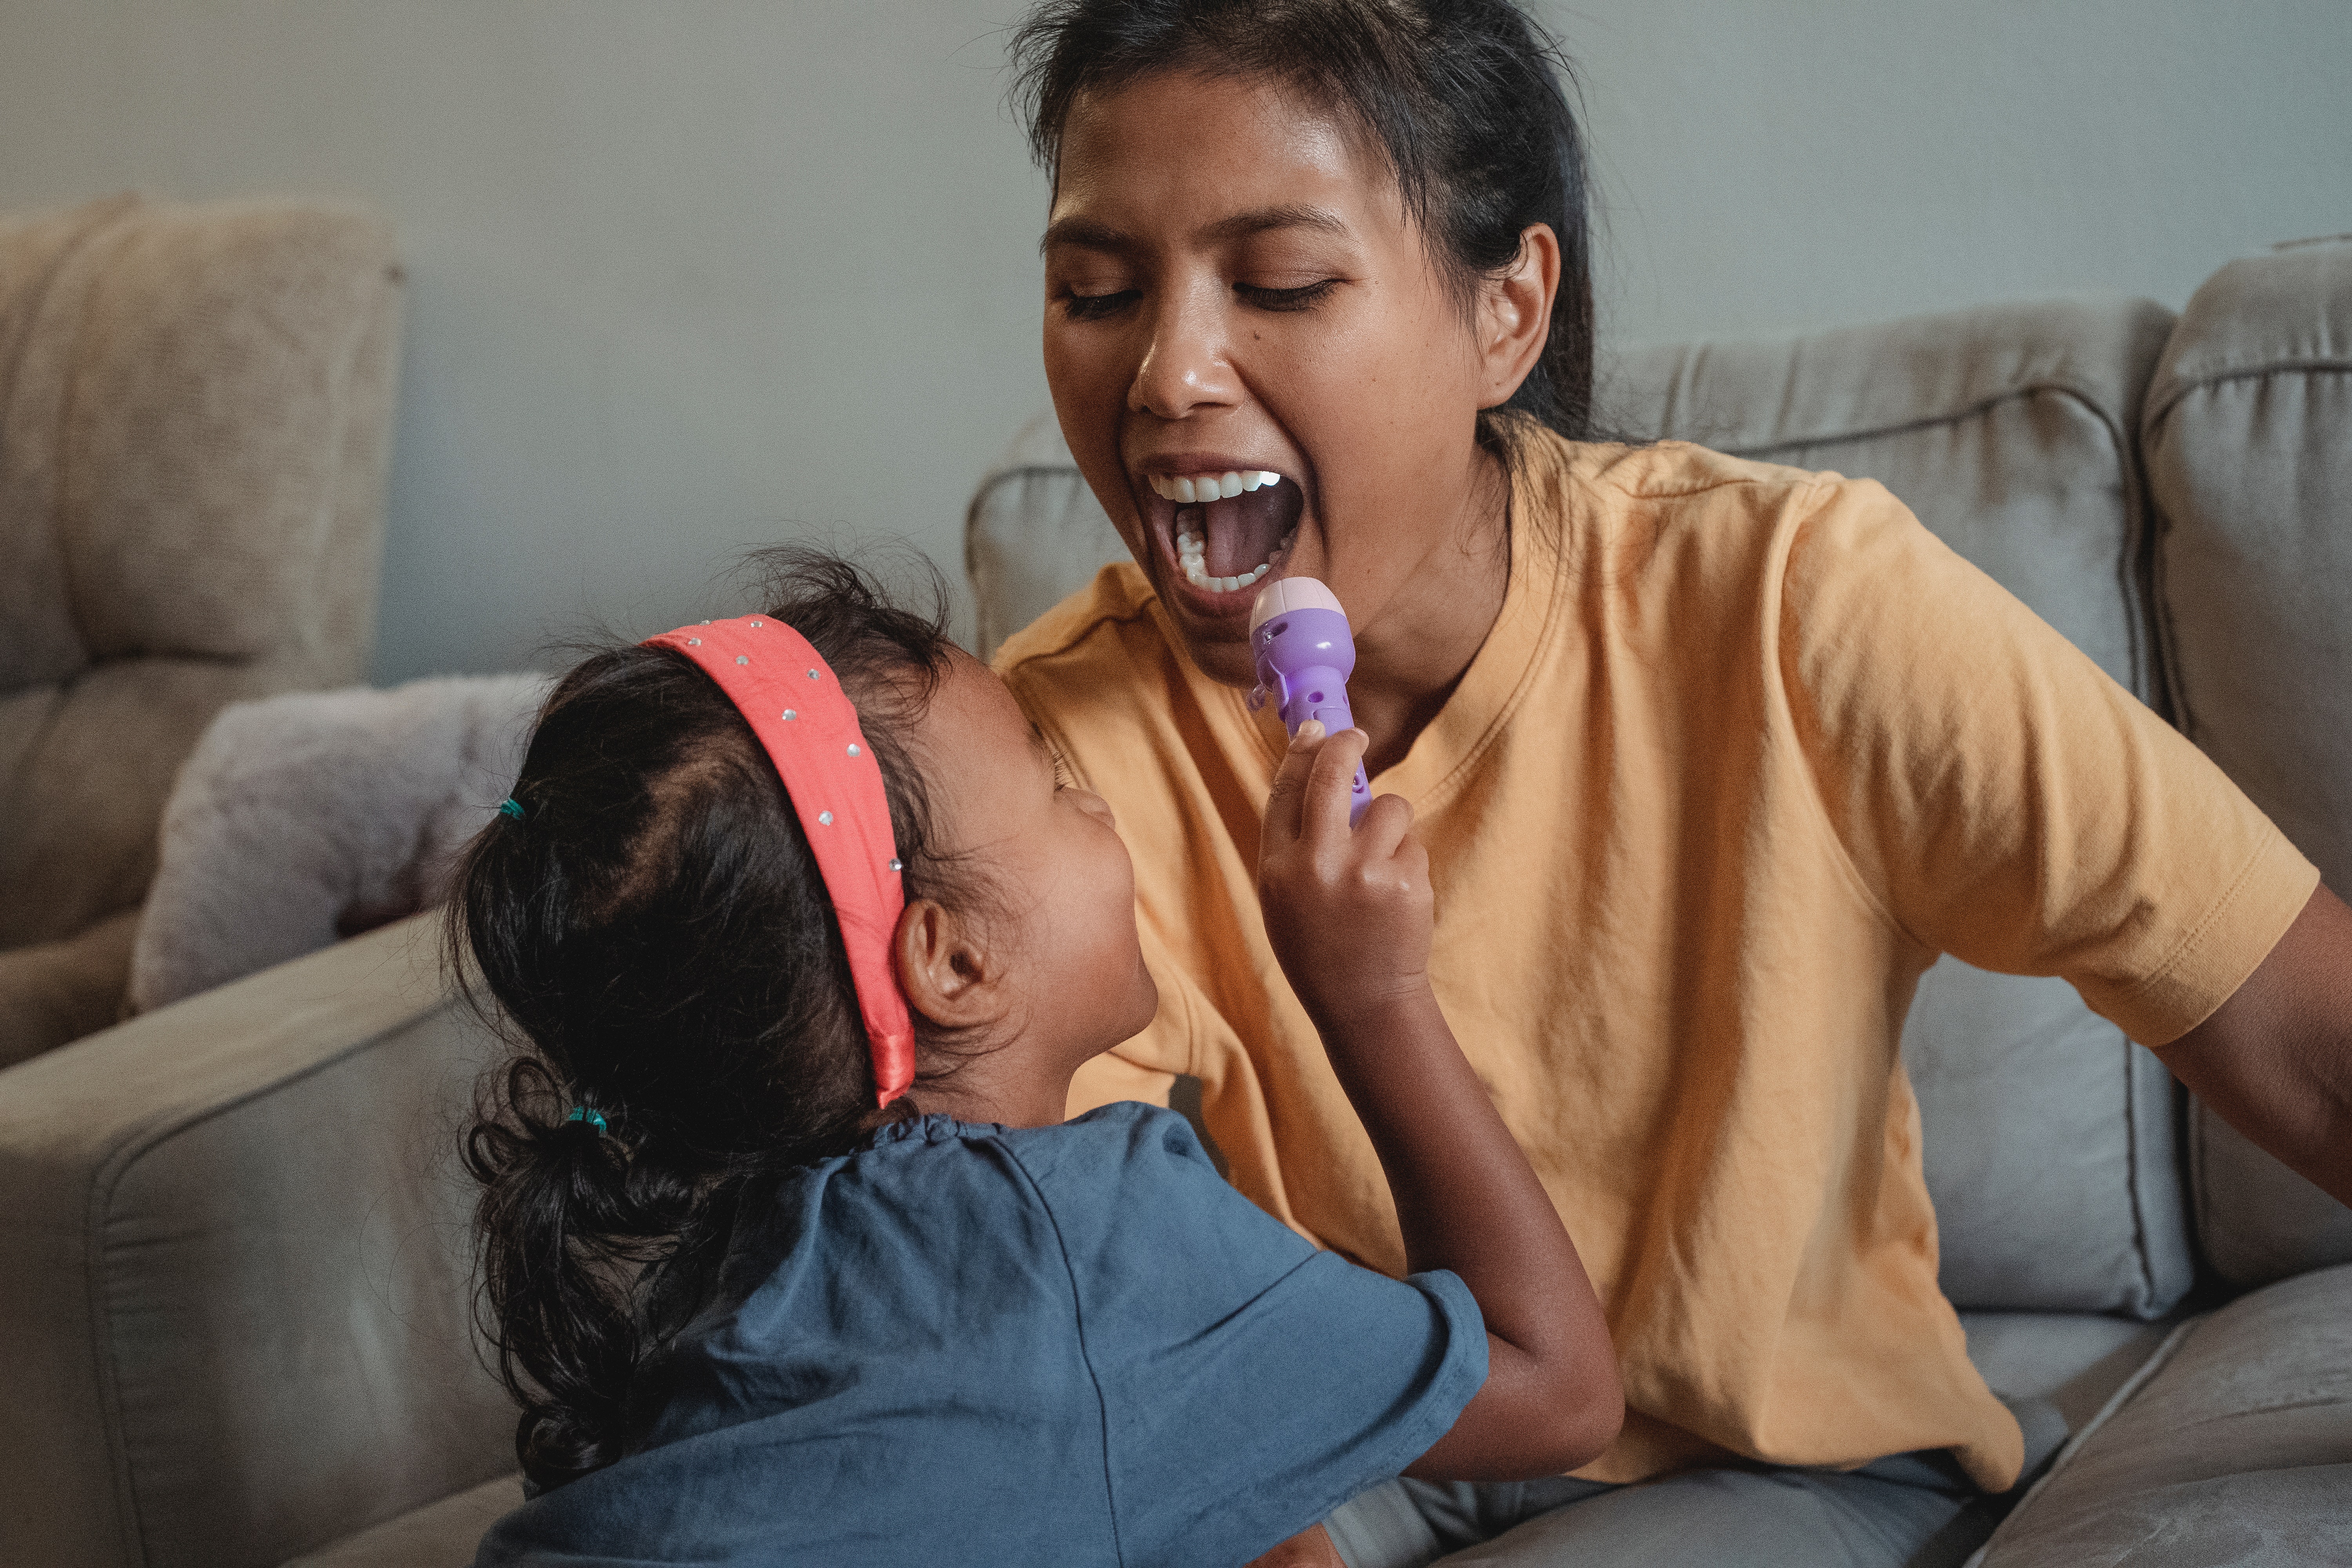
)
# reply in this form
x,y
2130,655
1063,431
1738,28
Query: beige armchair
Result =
x,y
195,410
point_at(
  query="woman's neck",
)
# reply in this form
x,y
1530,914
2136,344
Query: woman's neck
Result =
x,y
1412,654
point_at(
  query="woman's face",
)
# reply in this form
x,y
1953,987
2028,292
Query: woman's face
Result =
x,y
1233,289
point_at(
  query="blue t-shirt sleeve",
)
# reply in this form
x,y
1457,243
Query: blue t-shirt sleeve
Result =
x,y
1249,1384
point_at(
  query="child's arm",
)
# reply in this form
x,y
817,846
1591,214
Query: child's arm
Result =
x,y
1348,915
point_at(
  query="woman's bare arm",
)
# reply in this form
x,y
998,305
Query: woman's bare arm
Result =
x,y
1349,914
2274,1061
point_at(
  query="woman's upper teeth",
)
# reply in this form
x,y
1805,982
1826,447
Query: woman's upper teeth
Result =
x,y
1196,488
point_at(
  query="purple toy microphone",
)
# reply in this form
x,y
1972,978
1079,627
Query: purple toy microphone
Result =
x,y
1299,635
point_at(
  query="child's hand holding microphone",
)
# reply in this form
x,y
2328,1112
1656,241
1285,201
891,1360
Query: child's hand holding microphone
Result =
x,y
1348,909
1350,916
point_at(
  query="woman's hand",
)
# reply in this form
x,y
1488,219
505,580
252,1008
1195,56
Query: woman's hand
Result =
x,y
1347,910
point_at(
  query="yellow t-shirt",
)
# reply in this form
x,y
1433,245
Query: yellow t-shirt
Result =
x,y
1745,750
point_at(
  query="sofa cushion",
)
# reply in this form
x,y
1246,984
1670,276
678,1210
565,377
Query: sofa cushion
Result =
x,y
2234,1446
2049,1138
2248,440
1034,534
56,991
235,1229
194,415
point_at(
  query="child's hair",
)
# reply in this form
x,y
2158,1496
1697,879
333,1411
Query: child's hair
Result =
x,y
1465,97
652,935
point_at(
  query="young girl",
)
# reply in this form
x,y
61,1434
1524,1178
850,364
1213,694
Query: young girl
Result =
x,y
790,1256
1712,758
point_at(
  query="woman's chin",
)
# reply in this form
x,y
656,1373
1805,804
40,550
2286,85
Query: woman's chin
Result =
x,y
1213,623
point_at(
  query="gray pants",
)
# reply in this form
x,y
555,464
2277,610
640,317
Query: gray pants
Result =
x,y
1911,1511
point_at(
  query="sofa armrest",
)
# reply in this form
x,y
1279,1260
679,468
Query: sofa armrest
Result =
x,y
2232,1444
236,1247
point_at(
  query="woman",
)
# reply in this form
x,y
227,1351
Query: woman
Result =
x,y
1711,759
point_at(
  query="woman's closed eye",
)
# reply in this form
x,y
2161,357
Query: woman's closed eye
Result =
x,y
1095,307
1298,298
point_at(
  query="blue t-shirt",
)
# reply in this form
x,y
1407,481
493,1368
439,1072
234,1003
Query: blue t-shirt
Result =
x,y
981,1344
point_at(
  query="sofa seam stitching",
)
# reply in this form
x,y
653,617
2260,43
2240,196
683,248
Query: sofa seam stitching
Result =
x,y
2035,387
2173,395
2132,1162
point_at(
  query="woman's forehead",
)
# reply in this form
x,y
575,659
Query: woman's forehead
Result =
x,y
1219,146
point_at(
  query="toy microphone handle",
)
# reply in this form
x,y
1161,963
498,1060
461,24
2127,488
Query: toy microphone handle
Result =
x,y
1327,685
1304,653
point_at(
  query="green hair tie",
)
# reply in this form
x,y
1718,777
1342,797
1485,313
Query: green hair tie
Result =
x,y
511,806
592,1116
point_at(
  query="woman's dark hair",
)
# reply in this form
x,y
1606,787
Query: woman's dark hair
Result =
x,y
653,937
1465,97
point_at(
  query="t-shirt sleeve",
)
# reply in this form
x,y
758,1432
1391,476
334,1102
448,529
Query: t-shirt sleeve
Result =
x,y
2005,799
1249,1384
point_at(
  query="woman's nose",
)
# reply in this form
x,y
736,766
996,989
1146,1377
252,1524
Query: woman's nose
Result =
x,y
1186,366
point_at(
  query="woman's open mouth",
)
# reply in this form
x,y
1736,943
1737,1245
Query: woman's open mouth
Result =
x,y
1229,530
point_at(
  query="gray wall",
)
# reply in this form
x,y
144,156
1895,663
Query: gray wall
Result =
x,y
686,276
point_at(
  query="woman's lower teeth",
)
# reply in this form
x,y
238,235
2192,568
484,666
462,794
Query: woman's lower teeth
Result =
x,y
1191,554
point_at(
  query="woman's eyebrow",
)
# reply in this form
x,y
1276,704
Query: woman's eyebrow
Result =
x,y
1259,220
1085,233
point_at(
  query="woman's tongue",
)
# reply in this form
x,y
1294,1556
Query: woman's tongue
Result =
x,y
1240,532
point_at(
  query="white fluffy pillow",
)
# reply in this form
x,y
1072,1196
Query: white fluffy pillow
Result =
x,y
305,818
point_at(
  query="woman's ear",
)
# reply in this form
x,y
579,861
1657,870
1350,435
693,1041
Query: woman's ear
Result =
x,y
947,971
1514,314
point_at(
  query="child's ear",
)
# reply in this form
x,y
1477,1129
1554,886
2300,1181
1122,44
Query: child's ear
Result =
x,y
950,975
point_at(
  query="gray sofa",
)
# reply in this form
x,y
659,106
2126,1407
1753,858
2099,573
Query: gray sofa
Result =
x,y
233,1264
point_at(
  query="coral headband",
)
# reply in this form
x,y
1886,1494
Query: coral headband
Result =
x,y
789,696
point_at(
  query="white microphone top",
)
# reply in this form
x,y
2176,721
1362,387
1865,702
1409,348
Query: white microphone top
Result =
x,y
1286,593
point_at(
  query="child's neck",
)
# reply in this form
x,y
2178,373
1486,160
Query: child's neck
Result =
x,y
991,1089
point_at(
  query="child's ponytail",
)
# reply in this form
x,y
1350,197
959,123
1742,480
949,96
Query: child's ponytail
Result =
x,y
648,926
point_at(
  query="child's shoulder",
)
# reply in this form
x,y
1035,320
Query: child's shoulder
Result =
x,y
1123,1143
1132,1180
1145,1142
